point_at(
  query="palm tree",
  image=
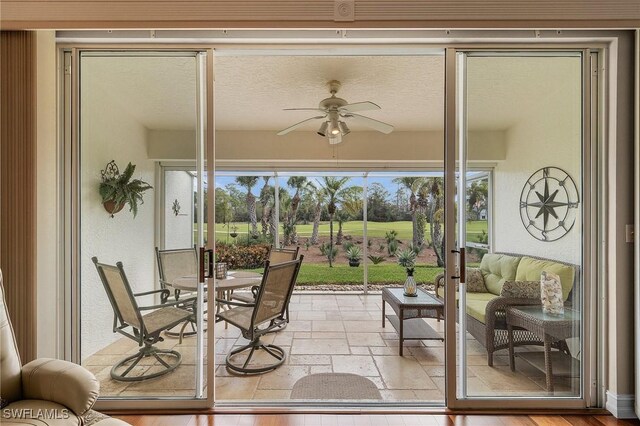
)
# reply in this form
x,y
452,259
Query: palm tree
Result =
x,y
319,196
334,190
350,208
298,183
435,188
266,199
414,185
249,182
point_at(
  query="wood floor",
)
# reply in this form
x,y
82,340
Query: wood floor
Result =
x,y
373,420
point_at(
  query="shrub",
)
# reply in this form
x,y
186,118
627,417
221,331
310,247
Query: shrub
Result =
x,y
326,250
354,253
347,246
376,259
390,236
252,240
242,257
407,258
392,248
416,248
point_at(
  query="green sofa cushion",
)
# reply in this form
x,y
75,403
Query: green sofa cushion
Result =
x,y
530,269
498,268
477,305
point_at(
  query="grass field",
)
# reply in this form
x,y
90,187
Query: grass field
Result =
x,y
311,274
355,228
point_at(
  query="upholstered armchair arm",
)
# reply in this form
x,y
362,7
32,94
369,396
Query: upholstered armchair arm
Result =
x,y
62,382
495,311
438,282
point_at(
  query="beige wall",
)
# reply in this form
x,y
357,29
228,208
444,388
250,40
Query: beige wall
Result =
x,y
620,253
307,149
549,134
108,133
47,193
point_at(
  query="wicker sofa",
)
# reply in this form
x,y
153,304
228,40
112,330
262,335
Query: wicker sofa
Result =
x,y
485,309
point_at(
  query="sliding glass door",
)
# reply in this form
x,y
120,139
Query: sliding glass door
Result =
x,y
520,285
142,228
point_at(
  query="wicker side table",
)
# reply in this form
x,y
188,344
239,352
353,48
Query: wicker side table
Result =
x,y
550,329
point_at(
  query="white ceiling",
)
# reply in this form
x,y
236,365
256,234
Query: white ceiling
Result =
x,y
251,91
160,92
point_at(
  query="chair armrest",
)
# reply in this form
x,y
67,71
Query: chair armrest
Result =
x,y
164,294
231,303
191,300
166,283
62,382
496,307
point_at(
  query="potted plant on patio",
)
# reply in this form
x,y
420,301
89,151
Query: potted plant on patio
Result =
x,y
354,255
407,259
118,189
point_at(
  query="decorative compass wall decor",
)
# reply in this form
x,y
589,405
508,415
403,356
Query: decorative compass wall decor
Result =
x,y
549,204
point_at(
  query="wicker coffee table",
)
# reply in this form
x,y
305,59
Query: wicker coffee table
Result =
x,y
552,330
408,311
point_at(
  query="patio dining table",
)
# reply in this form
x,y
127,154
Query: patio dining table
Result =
x,y
235,280
224,287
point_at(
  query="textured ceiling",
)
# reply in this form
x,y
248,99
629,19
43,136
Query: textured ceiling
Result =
x,y
159,92
251,91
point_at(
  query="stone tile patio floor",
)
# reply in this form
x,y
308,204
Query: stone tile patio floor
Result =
x,y
330,333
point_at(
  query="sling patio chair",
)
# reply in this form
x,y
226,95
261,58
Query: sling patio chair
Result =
x,y
276,255
178,263
145,329
174,264
262,316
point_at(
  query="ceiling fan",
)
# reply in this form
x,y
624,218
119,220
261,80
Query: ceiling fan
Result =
x,y
334,112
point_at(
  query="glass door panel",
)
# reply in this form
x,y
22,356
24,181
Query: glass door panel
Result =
x,y
142,223
520,225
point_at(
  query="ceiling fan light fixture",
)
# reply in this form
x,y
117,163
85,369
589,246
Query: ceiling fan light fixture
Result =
x,y
334,126
344,129
334,140
322,131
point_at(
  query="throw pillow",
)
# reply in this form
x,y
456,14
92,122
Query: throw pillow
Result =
x,y
475,281
551,294
521,289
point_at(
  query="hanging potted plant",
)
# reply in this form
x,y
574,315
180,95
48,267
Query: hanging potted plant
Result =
x,y
407,259
354,255
118,189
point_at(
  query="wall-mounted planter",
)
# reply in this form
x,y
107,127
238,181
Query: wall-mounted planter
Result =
x,y
118,189
112,208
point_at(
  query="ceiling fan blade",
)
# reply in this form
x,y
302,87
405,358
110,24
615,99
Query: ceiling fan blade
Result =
x,y
370,122
359,106
303,109
295,126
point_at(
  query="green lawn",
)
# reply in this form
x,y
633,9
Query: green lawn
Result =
x,y
355,228
378,274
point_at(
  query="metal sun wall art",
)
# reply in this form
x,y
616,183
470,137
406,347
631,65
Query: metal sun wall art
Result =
x,y
176,207
549,204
